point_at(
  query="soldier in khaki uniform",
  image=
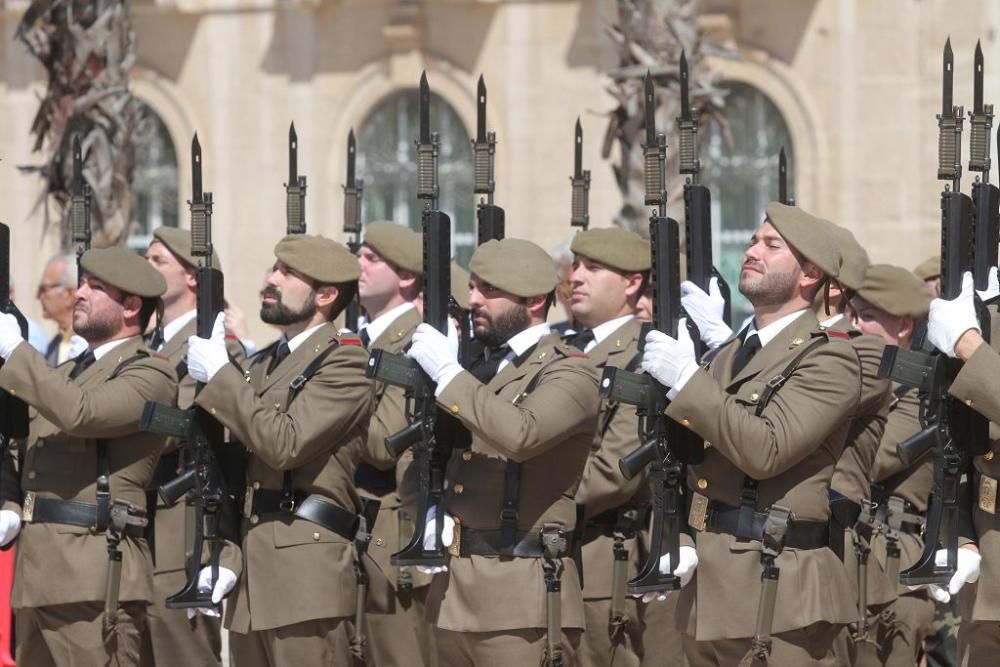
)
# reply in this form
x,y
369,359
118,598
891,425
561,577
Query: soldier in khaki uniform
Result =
x,y
889,303
509,498
84,456
769,448
302,411
175,638
391,260
610,270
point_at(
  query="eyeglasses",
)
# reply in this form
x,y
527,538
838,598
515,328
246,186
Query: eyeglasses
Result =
x,y
43,288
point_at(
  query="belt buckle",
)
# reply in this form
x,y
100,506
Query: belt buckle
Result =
x,y
248,502
287,504
28,507
987,494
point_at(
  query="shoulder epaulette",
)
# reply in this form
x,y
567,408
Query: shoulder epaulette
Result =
x,y
844,335
350,340
157,355
232,337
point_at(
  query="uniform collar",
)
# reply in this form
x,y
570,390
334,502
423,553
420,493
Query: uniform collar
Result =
x,y
605,329
771,331
173,328
104,348
301,338
377,327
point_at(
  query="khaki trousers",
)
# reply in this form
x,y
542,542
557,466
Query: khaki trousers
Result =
x,y
978,643
403,638
809,646
73,635
325,641
661,641
175,639
604,646
501,649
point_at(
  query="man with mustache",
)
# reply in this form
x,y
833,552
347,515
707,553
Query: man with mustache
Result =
x,y
301,410
775,403
510,515
176,639
85,455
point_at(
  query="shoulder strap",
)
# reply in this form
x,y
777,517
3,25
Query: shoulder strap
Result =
x,y
775,383
295,386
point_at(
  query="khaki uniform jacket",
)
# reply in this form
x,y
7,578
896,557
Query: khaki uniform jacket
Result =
x,y
978,386
60,563
549,433
295,570
603,487
792,449
914,487
169,524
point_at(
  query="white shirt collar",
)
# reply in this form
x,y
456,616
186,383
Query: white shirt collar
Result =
x,y
171,329
104,348
833,320
377,327
770,332
605,329
522,342
301,338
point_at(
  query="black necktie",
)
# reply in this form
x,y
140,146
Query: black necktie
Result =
x,y
156,340
486,366
279,355
82,363
582,339
745,353
366,340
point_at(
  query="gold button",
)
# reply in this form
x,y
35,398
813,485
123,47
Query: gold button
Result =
x,y
13,393
541,356
254,519
255,485
454,409
212,411
315,537
379,541
618,342
702,483
796,341
686,422
466,455
754,396
316,350
457,520
32,475
459,489
968,402
988,456
277,406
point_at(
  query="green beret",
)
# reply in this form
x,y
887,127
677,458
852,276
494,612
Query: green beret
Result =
x,y
929,269
460,285
896,291
125,270
853,259
614,247
516,266
322,259
398,244
813,237
178,241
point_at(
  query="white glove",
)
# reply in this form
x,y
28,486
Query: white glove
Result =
x,y
670,360
966,572
10,526
225,583
687,562
206,356
10,335
447,535
436,353
992,286
948,320
706,311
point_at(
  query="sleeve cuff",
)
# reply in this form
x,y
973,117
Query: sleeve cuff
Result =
x,y
447,375
689,370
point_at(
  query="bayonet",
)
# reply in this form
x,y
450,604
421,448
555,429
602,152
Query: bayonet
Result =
x,y
483,148
687,130
580,203
80,206
654,152
352,220
949,127
295,188
783,196
424,110
427,150
195,170
980,122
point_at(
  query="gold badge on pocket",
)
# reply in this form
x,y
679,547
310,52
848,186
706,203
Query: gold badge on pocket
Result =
x,y
987,494
698,516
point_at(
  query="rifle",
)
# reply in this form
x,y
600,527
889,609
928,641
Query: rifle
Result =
x,y
202,437
295,189
697,210
352,221
666,445
951,432
79,211
580,184
783,196
427,433
490,217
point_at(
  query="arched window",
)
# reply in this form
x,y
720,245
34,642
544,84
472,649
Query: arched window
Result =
x,y
741,169
154,182
387,163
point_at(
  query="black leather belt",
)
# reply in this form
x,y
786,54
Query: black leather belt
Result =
x,y
266,503
67,512
474,542
844,511
373,480
724,518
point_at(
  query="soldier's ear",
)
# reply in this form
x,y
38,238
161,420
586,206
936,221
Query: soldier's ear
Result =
x,y
906,326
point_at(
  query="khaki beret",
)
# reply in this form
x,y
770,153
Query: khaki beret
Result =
x,y
853,259
322,259
813,237
614,247
398,244
125,270
178,241
516,266
460,285
929,269
896,291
